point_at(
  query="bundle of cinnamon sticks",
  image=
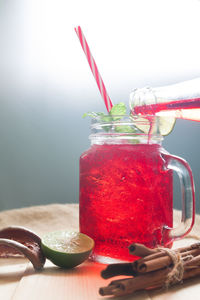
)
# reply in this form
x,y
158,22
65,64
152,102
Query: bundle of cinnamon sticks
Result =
x,y
156,268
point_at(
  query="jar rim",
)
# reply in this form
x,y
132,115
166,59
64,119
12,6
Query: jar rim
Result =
x,y
125,127
126,116
122,119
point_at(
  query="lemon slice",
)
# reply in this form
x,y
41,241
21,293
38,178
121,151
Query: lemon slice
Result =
x,y
162,125
67,249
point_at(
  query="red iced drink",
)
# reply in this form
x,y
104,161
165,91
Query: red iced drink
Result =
x,y
125,196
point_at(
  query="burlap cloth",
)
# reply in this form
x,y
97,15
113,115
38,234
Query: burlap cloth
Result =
x,y
42,219
45,218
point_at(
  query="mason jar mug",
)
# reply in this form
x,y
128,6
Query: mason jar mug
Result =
x,y
126,188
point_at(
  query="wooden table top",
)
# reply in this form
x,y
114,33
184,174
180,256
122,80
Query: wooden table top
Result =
x,y
19,281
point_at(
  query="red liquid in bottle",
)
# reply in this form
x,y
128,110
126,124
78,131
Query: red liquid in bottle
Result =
x,y
125,197
188,109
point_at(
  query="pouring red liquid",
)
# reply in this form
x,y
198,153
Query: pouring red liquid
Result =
x,y
180,100
188,109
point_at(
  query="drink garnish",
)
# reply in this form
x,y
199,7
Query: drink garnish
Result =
x,y
164,124
117,112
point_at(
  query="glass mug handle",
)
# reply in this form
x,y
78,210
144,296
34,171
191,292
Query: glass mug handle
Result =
x,y
182,168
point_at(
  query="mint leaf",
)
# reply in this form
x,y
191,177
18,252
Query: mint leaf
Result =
x,y
118,110
115,114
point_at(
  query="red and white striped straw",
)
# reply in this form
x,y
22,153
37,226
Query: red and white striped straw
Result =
x,y
94,68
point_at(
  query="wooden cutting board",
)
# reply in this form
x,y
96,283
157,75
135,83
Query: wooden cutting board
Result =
x,y
53,283
19,281
80,283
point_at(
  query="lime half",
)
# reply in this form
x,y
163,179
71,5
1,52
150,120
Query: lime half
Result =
x,y
163,125
67,249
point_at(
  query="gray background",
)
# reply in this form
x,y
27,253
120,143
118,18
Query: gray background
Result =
x,y
46,84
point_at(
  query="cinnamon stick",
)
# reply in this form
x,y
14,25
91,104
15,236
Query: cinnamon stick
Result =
x,y
118,269
188,248
113,287
140,265
194,262
163,261
128,286
156,253
140,250
155,270
149,263
151,280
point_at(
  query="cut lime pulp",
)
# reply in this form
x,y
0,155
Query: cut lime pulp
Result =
x,y
67,249
166,125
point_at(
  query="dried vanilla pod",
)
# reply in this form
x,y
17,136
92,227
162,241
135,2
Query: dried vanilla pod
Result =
x,y
17,240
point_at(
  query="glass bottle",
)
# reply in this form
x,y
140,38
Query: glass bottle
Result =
x,y
181,100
